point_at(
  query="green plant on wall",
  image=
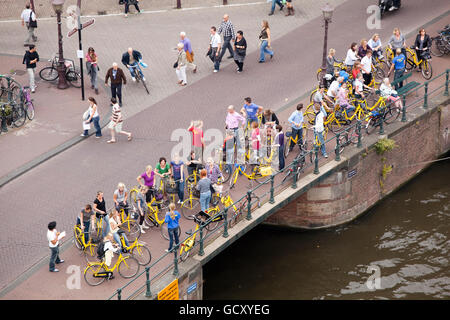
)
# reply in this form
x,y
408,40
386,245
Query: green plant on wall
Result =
x,y
381,147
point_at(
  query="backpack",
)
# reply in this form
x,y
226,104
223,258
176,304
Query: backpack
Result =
x,y
101,250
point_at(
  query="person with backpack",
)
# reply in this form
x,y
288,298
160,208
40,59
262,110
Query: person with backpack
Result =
x,y
172,219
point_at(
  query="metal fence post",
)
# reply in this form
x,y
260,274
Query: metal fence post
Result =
x,y
175,260
381,126
225,227
425,96
316,160
358,128
294,171
272,200
201,252
178,4
249,205
148,293
225,2
404,109
336,150
119,294
446,82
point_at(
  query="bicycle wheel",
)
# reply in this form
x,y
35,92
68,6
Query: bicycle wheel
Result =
x,y
318,74
73,78
128,267
132,230
18,116
185,252
133,195
343,141
353,135
142,254
30,110
409,60
48,74
254,204
391,114
214,223
427,71
165,231
226,173
90,253
310,114
149,219
145,86
189,207
371,125
77,239
90,274
437,47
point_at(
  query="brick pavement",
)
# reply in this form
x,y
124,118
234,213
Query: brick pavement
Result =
x,y
135,155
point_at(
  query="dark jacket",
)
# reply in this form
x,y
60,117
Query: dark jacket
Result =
x,y
29,56
273,118
426,42
126,57
119,77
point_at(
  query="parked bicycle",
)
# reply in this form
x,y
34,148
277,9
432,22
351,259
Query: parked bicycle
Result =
x,y
51,73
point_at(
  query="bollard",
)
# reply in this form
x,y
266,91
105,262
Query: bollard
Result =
x,y
178,4
225,227
316,160
271,200
358,129
148,293
175,260
446,82
404,109
201,252
381,126
338,146
425,96
119,294
249,205
225,2
294,171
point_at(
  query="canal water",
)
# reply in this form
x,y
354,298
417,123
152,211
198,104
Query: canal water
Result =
x,y
405,239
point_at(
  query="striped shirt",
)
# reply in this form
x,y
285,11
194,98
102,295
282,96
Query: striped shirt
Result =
x,y
227,28
116,114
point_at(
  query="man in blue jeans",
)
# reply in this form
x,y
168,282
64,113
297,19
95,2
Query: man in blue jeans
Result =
x,y
53,237
177,168
278,2
251,110
398,64
131,60
296,121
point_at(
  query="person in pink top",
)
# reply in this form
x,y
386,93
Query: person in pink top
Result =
x,y
256,142
147,179
233,120
92,67
197,138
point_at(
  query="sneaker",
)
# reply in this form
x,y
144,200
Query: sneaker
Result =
x,y
167,250
54,270
326,156
142,230
145,226
83,135
60,261
143,78
98,137
179,201
271,14
392,8
216,70
133,78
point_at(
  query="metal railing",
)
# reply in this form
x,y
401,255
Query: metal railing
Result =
x,y
198,247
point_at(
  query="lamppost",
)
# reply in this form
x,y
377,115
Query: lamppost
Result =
x,y
58,7
327,12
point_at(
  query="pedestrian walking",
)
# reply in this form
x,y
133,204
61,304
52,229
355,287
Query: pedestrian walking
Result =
x,y
127,4
116,123
180,65
276,2
398,65
177,171
117,78
228,35
240,50
196,127
172,219
204,187
90,115
214,48
264,38
29,20
30,59
189,52
53,237
290,8
92,68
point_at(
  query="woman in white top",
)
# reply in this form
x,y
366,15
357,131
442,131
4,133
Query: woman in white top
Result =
x,y
375,44
352,55
390,94
93,116
114,223
318,131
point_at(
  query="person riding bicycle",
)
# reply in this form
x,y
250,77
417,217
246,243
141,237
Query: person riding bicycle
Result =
x,y
120,197
422,45
131,60
250,110
142,207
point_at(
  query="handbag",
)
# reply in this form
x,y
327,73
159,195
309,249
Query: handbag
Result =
x,y
175,65
32,23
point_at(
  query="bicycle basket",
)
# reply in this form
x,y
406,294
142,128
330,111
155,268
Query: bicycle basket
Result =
x,y
265,171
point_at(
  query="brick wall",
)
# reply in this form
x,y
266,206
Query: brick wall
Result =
x,y
355,186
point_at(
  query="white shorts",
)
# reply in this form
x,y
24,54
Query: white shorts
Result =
x,y
117,128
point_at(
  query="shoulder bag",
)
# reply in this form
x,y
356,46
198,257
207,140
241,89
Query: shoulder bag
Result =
x,y
32,23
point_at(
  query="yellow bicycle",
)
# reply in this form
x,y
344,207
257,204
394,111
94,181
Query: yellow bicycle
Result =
x,y
97,272
423,63
89,249
139,251
259,173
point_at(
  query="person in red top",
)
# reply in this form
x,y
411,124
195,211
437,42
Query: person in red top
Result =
x,y
356,69
256,138
197,138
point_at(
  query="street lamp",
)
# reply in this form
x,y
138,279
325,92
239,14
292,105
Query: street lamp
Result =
x,y
58,7
327,12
